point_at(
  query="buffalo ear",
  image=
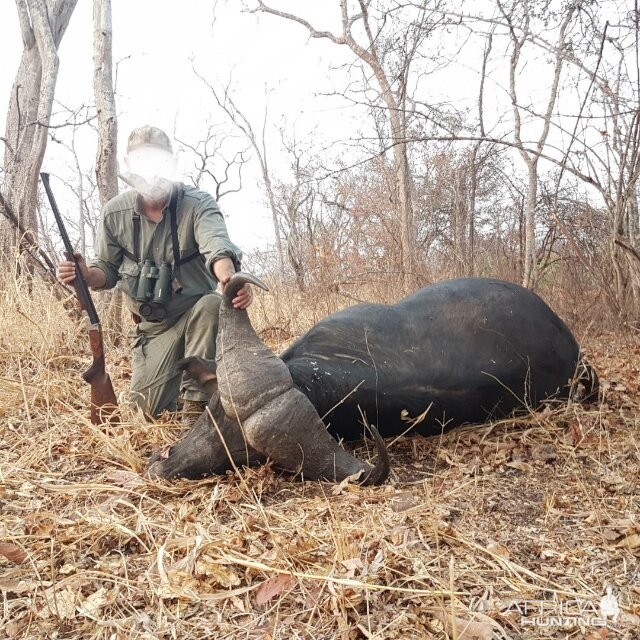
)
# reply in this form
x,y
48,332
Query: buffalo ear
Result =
x,y
201,370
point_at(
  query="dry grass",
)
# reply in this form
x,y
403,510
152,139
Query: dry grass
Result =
x,y
535,509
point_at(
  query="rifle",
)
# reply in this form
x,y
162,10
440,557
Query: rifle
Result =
x,y
103,398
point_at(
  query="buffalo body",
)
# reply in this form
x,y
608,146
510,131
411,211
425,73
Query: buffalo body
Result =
x,y
471,349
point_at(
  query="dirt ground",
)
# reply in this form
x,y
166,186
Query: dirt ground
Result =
x,y
509,530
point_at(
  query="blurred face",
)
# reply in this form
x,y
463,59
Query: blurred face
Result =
x,y
151,172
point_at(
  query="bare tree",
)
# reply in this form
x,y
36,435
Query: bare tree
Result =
x,y
620,98
393,83
210,161
259,146
519,37
609,156
78,188
107,154
106,159
42,24
297,216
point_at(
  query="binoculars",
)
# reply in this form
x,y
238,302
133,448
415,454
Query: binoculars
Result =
x,y
154,290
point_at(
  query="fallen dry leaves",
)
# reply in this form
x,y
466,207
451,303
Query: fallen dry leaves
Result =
x,y
12,552
273,587
543,508
464,629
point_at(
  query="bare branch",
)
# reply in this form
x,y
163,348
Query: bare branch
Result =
x,y
582,106
27,241
63,124
8,145
628,249
314,33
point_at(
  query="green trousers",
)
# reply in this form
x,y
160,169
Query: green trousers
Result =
x,y
155,381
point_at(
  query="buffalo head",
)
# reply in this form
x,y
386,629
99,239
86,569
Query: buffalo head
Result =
x,y
258,412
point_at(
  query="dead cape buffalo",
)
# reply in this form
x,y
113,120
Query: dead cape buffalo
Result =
x,y
468,350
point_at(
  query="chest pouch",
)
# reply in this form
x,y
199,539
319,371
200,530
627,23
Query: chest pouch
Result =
x,y
157,283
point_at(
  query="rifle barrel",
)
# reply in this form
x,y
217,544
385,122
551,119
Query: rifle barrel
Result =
x,y
80,284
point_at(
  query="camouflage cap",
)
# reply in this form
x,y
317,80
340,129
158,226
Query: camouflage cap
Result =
x,y
149,136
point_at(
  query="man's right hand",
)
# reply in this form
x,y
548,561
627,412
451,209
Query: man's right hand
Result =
x,y
67,269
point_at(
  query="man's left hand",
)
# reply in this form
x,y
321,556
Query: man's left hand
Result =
x,y
244,297
223,269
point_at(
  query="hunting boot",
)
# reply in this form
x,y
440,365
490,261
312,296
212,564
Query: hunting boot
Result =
x,y
191,411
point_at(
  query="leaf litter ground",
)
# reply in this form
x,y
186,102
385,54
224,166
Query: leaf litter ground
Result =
x,y
475,531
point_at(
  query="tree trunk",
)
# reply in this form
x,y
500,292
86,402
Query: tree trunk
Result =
x,y
106,158
473,193
403,177
272,206
529,254
459,220
625,256
531,157
633,259
42,23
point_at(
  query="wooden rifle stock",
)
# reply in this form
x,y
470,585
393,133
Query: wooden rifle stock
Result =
x,y
104,404
103,398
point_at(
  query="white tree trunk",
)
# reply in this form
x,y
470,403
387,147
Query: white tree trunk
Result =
x,y
403,176
107,154
42,23
459,222
274,214
106,159
531,157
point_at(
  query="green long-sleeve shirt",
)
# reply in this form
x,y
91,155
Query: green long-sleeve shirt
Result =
x,y
201,227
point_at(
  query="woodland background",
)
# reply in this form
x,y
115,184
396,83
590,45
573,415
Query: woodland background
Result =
x,y
524,168
500,140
